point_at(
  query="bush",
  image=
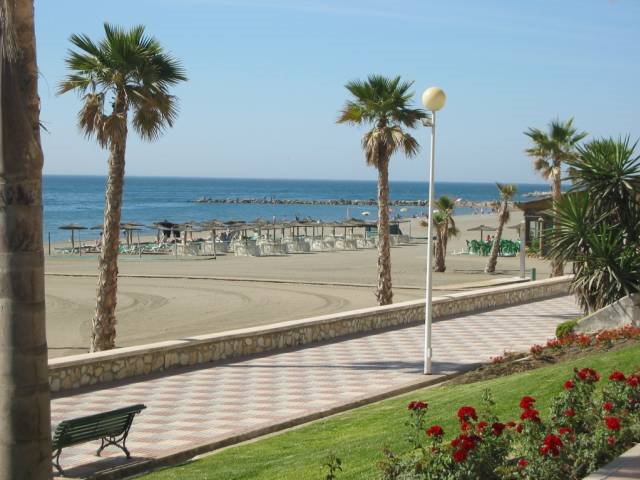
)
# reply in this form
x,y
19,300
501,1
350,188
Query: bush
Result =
x,y
586,429
565,328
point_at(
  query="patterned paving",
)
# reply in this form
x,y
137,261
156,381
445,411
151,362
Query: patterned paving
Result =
x,y
199,406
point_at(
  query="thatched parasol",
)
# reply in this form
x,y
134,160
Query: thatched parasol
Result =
x,y
482,229
73,227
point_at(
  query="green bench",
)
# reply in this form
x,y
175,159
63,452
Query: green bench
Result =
x,y
111,428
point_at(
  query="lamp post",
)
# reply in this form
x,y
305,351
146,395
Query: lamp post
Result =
x,y
433,100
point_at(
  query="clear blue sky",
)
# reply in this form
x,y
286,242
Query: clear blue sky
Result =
x,y
267,81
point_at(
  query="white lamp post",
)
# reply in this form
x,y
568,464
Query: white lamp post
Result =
x,y
433,100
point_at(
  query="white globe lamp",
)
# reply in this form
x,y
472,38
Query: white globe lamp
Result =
x,y
433,99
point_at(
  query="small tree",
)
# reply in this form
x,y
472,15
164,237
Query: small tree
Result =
x,y
599,223
445,227
507,191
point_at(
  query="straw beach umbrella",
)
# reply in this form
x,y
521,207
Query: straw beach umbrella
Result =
x,y
482,229
73,227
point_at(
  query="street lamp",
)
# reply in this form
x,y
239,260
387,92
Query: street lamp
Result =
x,y
433,100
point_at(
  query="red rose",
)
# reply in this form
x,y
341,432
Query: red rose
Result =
x,y
536,349
568,385
417,406
460,455
530,415
551,444
633,380
527,402
464,426
570,412
617,376
481,426
588,375
522,463
497,428
612,423
611,440
564,430
435,431
467,413
608,406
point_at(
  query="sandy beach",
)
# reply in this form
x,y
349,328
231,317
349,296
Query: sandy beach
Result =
x,y
164,297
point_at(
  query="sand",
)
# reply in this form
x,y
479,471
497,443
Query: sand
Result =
x,y
166,298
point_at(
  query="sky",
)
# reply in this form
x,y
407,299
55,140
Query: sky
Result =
x,y
266,81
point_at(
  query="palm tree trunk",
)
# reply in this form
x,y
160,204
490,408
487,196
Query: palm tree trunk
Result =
x,y
25,445
440,252
384,293
103,334
557,267
495,248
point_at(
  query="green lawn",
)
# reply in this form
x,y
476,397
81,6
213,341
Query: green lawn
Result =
x,y
358,436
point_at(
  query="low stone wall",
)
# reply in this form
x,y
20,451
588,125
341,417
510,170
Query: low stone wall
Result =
x,y
90,369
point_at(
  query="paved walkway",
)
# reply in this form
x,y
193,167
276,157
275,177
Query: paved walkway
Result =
x,y
195,407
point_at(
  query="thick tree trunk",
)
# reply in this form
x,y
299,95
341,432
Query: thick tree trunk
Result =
x,y
384,293
440,250
557,267
103,334
495,248
25,448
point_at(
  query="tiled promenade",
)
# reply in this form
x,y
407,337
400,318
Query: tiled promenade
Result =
x,y
188,408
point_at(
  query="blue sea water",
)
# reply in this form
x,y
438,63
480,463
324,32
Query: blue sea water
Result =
x,y
80,199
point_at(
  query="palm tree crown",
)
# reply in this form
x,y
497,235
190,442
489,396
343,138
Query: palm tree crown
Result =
x,y
126,66
384,103
550,149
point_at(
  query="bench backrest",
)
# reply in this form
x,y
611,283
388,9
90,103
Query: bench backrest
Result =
x,y
93,427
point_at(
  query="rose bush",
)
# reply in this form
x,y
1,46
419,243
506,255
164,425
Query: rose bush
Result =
x,y
585,429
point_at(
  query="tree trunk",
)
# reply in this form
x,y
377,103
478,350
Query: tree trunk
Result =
x,y
495,248
384,293
440,250
557,267
103,334
25,445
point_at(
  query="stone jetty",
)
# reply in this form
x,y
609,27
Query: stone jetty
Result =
x,y
347,202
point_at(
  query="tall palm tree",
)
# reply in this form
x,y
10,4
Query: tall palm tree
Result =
x,y
383,103
25,449
549,151
445,227
130,71
507,191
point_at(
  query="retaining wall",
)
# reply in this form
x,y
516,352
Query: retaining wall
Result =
x,y
75,371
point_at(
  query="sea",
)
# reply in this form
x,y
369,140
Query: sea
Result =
x,y
80,199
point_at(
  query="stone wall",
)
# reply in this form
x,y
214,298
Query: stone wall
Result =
x,y
90,369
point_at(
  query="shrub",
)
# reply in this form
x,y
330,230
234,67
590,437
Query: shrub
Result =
x,y
565,328
586,429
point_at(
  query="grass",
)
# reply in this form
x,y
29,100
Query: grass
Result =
x,y
358,436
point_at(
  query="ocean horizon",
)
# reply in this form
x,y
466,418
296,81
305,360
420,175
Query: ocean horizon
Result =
x,y
147,199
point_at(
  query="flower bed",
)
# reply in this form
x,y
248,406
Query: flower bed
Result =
x,y
586,428
568,347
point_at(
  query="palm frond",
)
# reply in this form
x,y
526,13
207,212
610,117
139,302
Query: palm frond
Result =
x,y
131,66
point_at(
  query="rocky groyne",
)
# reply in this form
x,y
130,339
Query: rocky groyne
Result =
x,y
339,202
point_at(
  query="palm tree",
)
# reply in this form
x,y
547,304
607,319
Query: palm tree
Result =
x,y
130,71
507,191
25,450
599,223
445,228
550,150
383,103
